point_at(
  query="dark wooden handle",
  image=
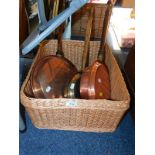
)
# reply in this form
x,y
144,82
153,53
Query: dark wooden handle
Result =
x,y
60,31
85,57
104,31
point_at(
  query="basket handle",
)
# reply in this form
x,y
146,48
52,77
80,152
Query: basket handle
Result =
x,y
85,57
101,54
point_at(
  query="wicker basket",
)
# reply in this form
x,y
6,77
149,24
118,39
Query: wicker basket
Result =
x,y
78,114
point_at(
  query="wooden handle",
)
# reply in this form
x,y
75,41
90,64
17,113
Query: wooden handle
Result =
x,y
60,32
85,57
55,9
104,32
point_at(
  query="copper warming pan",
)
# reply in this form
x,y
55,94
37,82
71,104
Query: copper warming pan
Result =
x,y
52,74
95,80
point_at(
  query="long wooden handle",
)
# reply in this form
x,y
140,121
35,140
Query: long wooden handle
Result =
x,y
60,32
85,57
104,31
55,10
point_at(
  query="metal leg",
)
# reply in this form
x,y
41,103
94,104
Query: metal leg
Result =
x,y
67,32
24,67
41,12
22,126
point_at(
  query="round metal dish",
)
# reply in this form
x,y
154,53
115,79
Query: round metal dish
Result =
x,y
95,82
50,77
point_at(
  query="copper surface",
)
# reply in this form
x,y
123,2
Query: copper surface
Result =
x,y
50,76
99,82
84,83
95,82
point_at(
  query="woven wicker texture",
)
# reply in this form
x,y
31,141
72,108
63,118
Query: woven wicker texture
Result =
x,y
78,114
80,18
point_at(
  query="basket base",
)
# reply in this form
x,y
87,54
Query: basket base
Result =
x,y
74,128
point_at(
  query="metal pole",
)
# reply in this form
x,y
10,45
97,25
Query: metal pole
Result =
x,y
41,12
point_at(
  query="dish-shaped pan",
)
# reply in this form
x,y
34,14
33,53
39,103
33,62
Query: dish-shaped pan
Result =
x,y
52,74
73,89
95,80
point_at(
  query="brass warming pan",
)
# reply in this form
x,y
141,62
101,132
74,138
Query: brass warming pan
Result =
x,y
73,89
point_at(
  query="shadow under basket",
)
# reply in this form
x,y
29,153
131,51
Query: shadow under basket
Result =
x,y
97,115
